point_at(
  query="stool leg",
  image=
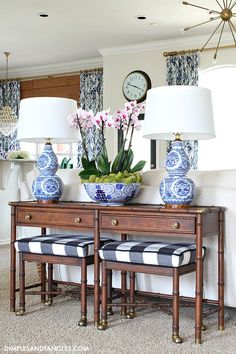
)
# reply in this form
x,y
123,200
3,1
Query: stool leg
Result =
x,y
83,296
21,285
131,313
109,292
103,323
50,284
175,327
123,292
42,271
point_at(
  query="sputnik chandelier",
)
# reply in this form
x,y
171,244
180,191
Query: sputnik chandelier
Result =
x,y
224,14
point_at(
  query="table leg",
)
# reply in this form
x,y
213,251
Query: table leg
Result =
x,y
199,282
13,262
221,272
123,310
96,270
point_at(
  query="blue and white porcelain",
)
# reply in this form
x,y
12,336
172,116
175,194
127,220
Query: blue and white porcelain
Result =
x,y
177,189
47,162
47,187
112,193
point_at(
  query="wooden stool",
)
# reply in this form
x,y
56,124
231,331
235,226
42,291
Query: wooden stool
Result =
x,y
66,249
147,257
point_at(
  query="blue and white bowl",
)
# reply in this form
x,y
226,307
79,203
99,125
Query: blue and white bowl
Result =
x,y
112,193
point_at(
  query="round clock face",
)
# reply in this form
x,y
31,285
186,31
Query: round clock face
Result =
x,y
135,86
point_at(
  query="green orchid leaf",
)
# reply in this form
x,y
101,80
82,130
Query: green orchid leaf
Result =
x,y
103,164
88,164
85,174
117,162
138,167
129,156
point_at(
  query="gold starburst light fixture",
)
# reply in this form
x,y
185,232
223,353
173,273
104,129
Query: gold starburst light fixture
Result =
x,y
224,14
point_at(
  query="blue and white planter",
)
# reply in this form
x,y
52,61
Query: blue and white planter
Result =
x,y
112,193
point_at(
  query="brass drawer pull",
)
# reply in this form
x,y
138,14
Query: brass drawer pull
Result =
x,y
175,225
28,217
77,220
114,222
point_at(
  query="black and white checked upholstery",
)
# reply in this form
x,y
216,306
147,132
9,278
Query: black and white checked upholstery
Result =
x,y
69,245
150,253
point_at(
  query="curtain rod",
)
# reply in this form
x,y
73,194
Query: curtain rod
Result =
x,y
52,75
189,51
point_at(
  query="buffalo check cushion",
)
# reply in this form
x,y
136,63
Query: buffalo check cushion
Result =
x,y
151,253
70,245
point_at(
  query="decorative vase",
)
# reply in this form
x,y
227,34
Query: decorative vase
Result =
x,y
177,190
47,187
112,193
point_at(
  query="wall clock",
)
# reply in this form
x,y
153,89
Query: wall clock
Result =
x,y
135,86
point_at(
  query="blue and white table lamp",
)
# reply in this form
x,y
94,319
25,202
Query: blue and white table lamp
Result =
x,y
45,119
178,113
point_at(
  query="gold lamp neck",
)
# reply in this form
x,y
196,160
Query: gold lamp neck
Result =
x,y
178,137
48,141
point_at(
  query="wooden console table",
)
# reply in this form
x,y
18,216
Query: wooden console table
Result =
x,y
156,220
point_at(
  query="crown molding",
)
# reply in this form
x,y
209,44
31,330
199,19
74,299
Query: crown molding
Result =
x,y
76,66
53,69
173,43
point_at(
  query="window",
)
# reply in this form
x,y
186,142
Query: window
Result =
x,y
68,150
218,153
143,149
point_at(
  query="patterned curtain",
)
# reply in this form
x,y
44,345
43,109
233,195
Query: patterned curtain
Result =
x,y
9,95
183,69
91,98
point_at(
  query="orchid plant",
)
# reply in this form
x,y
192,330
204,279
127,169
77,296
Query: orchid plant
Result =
x,y
101,169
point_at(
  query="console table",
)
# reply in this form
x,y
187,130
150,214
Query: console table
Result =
x,y
156,220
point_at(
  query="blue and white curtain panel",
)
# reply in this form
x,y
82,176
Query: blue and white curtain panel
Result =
x,y
91,98
9,95
183,69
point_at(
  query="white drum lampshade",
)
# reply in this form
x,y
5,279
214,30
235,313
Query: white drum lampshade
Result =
x,y
45,119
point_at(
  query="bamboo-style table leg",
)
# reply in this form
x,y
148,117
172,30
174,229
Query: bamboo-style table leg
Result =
x,y
199,282
221,273
96,270
13,261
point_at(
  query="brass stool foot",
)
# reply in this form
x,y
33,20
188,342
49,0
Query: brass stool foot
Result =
x,y
130,315
110,311
176,338
20,312
48,302
102,325
83,322
198,341
221,328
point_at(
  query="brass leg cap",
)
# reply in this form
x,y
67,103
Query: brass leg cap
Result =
x,y
82,322
48,302
203,327
110,311
198,341
221,328
130,315
177,339
102,326
20,312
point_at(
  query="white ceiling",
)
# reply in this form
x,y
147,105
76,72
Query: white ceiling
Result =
x,y
76,29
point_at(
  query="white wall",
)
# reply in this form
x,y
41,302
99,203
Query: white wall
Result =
x,y
118,62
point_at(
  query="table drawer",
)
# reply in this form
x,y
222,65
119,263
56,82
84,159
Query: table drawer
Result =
x,y
55,218
160,223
